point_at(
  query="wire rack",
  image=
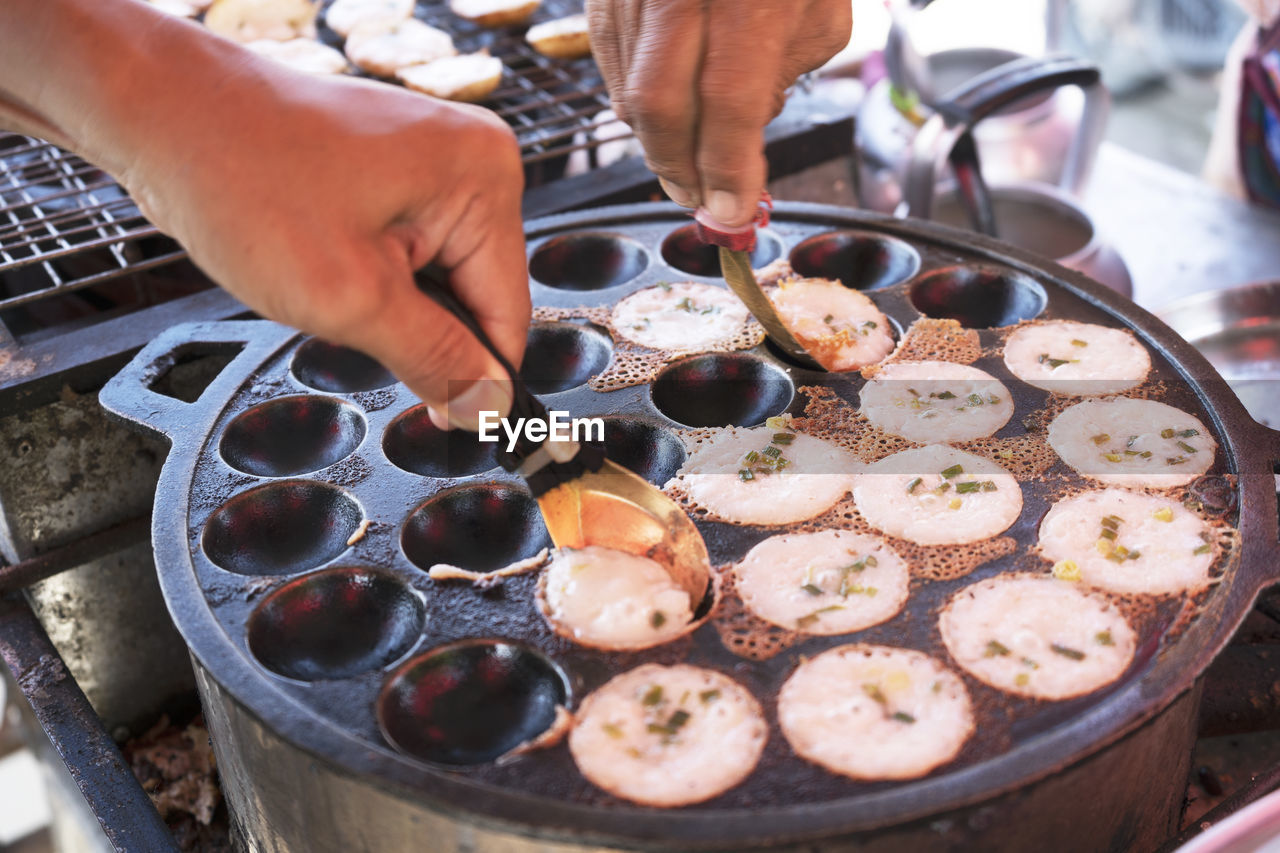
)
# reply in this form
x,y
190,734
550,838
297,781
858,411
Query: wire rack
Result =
x,y
66,226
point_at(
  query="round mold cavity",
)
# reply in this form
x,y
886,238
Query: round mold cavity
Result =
x,y
644,448
858,259
418,446
292,435
470,702
280,528
683,250
337,369
978,297
722,389
335,624
481,528
560,356
591,261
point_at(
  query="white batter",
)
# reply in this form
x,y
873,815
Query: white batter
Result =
x,y
302,54
683,317
839,326
766,476
936,401
495,13
1128,542
668,735
563,38
1076,358
1126,442
874,712
343,16
470,77
614,600
251,20
1036,636
938,495
829,582
383,50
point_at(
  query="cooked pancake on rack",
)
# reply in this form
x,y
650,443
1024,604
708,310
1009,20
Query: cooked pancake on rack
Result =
x,y
680,317
610,599
302,54
936,402
1035,635
1127,542
343,16
1078,359
839,326
563,38
180,8
829,582
875,712
668,735
495,13
383,49
251,20
765,475
1127,442
938,495
468,77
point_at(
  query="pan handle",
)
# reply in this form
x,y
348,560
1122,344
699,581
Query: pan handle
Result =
x,y
131,395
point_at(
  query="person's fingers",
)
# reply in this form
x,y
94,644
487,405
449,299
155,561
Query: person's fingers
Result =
x,y
605,27
736,94
659,94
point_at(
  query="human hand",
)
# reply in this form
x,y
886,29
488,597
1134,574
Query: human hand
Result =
x,y
314,199
698,80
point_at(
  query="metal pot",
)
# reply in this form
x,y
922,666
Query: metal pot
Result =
x,y
304,763
1033,119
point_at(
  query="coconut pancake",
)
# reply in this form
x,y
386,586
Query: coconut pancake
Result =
x,y
1067,357
614,600
251,20
383,50
1127,542
470,77
765,475
668,735
839,326
874,712
563,38
682,317
829,582
936,401
495,13
1126,442
938,495
1036,636
343,16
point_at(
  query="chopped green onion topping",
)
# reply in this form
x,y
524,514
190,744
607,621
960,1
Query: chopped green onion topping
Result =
x,y
975,486
772,452
1183,446
1203,549
1146,454
672,725
709,695
658,619
1130,442
871,561
612,731
1103,638
745,475
652,696
1187,433
875,694
1167,433
1108,533
1112,457
1112,522
1175,460
995,648
827,319
871,324
903,717
1076,342
783,437
807,620
665,285
911,487
812,589
944,395
974,399
751,457
953,471
1101,438
685,304
1067,652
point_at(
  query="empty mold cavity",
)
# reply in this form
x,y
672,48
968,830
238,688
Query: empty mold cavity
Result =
x,y
647,449
722,389
415,444
292,435
481,528
560,356
858,259
683,250
281,528
587,261
335,624
470,702
337,369
978,297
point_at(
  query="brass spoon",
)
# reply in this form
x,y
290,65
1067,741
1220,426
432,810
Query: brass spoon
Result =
x,y
585,498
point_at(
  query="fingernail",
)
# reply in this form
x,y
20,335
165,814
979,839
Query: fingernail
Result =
x,y
724,207
679,195
491,396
